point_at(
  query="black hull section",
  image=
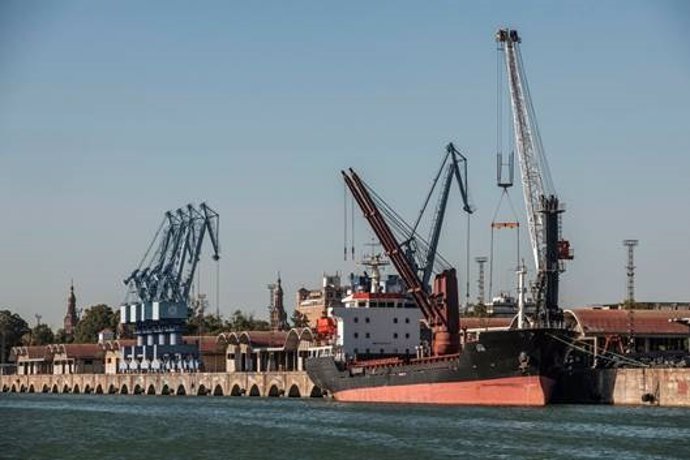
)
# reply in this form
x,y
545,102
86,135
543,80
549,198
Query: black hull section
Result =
x,y
513,357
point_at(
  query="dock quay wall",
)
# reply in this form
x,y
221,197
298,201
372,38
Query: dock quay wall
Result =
x,y
668,387
288,384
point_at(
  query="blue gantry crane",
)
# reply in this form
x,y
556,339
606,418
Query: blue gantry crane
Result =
x,y
161,286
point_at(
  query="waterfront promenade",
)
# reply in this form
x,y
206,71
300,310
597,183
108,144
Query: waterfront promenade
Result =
x,y
278,383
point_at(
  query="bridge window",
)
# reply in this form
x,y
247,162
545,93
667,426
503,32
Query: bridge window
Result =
x,y
407,335
361,304
395,320
395,335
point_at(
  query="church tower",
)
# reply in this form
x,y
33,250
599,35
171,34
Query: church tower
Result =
x,y
278,315
71,319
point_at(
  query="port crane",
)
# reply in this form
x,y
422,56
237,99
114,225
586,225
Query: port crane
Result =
x,y
541,201
438,303
161,285
168,274
455,165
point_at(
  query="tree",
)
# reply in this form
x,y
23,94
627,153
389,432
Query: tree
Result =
x,y
241,322
42,334
93,321
299,319
12,328
205,325
62,337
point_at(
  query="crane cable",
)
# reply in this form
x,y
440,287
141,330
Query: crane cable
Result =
x,y
505,194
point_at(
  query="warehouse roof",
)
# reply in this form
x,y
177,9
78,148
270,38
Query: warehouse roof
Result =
x,y
600,321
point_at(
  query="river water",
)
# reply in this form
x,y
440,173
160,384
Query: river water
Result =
x,y
51,426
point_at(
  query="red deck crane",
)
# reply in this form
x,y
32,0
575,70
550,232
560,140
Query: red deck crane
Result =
x,y
440,307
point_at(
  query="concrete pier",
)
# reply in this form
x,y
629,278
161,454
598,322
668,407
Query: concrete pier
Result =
x,y
669,387
272,384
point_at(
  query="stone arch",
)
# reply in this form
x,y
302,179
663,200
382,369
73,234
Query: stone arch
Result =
x,y
65,388
112,389
138,389
45,388
294,391
165,390
202,391
55,388
124,390
316,392
99,389
218,390
32,389
75,390
274,391
22,388
151,390
14,388
236,390
88,389
181,390
254,391
5,388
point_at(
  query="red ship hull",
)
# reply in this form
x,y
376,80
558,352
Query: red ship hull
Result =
x,y
509,391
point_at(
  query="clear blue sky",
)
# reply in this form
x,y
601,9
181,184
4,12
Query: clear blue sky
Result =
x,y
113,112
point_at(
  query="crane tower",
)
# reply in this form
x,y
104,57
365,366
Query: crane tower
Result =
x,y
541,201
161,285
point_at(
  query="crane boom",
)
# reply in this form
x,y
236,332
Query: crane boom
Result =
x,y
440,308
534,172
541,202
453,160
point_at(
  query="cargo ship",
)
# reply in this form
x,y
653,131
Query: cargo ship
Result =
x,y
515,366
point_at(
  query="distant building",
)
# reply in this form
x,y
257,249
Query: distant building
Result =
x,y
106,335
77,358
652,333
71,318
277,309
314,303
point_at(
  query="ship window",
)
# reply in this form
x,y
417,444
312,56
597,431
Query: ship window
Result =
x,y
366,320
395,350
407,335
361,303
356,335
395,335
367,351
356,320
381,351
395,320
356,351
390,304
407,320
373,304
367,335
407,351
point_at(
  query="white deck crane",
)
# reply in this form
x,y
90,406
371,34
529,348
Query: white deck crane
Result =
x,y
539,193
